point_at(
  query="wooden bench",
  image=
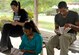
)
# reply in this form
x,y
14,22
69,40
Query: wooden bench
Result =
x,y
47,34
75,47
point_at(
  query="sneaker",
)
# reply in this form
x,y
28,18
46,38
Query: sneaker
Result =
x,y
3,49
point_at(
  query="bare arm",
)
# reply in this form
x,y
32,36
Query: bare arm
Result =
x,y
74,27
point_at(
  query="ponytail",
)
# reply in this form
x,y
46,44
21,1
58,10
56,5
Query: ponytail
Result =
x,y
34,27
31,24
19,6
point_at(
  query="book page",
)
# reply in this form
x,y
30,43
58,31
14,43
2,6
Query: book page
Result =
x,y
61,30
15,51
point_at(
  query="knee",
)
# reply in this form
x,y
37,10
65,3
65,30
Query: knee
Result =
x,y
7,25
49,45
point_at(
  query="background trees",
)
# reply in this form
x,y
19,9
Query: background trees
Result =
x,y
43,5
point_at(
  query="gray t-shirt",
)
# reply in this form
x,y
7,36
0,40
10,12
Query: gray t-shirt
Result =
x,y
71,17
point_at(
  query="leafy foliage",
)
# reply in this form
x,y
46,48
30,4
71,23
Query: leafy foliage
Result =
x,y
43,5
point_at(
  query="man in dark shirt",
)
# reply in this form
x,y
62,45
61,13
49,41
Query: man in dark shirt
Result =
x,y
66,19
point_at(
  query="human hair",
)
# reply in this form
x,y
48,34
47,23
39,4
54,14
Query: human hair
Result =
x,y
31,24
15,3
62,4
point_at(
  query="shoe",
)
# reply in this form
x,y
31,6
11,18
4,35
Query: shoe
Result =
x,y
2,49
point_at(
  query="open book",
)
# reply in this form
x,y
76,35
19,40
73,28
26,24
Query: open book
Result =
x,y
15,51
63,30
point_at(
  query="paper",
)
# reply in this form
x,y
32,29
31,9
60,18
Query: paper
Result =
x,y
15,51
62,30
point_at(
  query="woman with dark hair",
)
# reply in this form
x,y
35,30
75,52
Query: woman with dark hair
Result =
x,y
13,29
31,40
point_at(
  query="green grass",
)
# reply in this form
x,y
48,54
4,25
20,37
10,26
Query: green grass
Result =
x,y
46,25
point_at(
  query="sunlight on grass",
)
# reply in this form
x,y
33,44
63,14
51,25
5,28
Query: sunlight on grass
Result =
x,y
46,25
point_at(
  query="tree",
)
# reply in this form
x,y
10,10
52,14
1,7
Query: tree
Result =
x,y
43,5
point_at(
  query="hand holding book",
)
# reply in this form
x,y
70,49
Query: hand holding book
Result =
x,y
62,30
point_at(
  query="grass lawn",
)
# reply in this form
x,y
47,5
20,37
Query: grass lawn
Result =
x,y
46,25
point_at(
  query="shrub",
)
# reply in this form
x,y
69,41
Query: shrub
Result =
x,y
3,20
30,14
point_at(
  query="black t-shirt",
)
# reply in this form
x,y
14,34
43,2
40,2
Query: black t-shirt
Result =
x,y
71,17
22,14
